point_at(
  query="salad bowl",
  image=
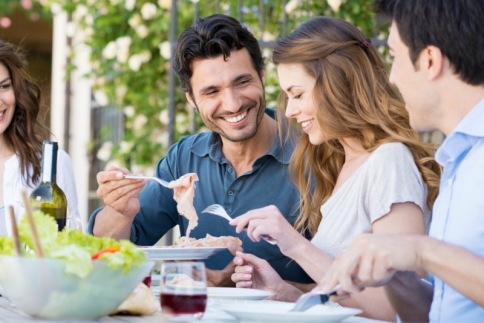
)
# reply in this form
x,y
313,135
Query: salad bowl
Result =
x,y
41,287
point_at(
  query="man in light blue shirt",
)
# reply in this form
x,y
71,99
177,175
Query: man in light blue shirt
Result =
x,y
438,67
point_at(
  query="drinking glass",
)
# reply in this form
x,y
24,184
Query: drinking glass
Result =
x,y
74,222
184,289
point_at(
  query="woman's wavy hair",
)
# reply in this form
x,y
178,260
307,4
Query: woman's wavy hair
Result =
x,y
25,133
354,100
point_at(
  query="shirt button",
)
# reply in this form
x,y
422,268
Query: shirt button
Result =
x,y
230,170
438,293
231,193
8,183
440,236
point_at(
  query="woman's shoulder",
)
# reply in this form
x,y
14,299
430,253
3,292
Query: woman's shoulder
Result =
x,y
391,151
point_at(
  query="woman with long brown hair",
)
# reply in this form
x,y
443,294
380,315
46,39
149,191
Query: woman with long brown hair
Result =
x,y
358,165
21,136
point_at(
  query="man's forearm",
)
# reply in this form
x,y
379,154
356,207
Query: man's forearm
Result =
x,y
110,223
456,266
410,296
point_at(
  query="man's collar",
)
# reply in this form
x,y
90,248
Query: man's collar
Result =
x,y
472,123
463,137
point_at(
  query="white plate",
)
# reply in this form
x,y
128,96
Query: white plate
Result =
x,y
171,253
237,293
271,311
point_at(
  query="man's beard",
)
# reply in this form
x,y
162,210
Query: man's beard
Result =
x,y
249,130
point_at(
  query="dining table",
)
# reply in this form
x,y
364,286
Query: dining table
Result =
x,y
9,313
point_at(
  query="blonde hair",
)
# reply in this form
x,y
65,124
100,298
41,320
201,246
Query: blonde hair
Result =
x,y
354,100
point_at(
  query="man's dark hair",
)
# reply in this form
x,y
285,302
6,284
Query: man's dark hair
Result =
x,y
211,37
454,26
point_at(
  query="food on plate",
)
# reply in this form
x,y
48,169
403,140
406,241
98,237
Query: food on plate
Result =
x,y
182,280
140,302
79,250
183,194
208,241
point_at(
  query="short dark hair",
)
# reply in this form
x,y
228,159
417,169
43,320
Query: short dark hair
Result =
x,y
211,37
454,26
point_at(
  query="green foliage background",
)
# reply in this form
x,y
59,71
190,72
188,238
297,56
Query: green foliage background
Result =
x,y
143,93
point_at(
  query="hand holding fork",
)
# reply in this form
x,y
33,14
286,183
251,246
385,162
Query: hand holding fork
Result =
x,y
218,209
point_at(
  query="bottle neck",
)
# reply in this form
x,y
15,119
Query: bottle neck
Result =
x,y
49,162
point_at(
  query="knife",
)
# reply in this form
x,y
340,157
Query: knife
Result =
x,y
308,300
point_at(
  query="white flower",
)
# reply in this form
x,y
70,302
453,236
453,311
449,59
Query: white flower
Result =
x,y
122,56
163,139
267,36
142,31
101,98
129,111
125,147
129,4
121,92
104,153
148,10
164,117
109,52
291,6
181,122
134,21
135,62
165,50
335,4
270,89
100,81
164,4
123,44
89,19
114,2
139,122
145,56
55,8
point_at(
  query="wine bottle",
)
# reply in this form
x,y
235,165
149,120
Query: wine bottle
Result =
x,y
47,197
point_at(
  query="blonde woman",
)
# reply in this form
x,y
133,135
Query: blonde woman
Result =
x,y
358,165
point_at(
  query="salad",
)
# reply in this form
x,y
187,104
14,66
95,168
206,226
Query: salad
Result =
x,y
79,250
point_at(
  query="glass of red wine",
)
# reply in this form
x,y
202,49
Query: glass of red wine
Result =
x,y
183,289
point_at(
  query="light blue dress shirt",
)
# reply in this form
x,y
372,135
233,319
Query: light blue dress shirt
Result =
x,y
458,214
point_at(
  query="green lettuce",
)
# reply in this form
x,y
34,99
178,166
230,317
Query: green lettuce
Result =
x,y
74,247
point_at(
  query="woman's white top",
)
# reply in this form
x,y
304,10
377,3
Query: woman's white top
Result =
x,y
13,184
388,176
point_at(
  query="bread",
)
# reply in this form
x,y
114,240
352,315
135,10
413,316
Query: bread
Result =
x,y
140,302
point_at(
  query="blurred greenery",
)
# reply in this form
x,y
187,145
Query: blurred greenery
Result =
x,y
130,56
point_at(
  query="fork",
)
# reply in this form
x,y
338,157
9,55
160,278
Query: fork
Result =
x,y
219,210
160,181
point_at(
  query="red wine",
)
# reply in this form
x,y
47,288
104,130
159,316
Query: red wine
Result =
x,y
183,304
147,281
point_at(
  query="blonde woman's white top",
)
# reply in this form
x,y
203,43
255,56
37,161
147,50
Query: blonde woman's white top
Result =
x,y
13,184
388,176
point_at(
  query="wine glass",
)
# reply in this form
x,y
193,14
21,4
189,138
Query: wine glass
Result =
x,y
73,222
184,289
